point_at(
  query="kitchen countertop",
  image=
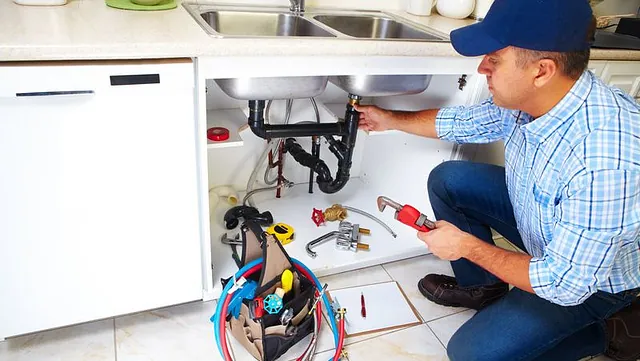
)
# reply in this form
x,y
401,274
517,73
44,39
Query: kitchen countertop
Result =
x,y
89,29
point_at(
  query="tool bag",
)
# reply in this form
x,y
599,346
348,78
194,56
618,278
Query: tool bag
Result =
x,y
264,335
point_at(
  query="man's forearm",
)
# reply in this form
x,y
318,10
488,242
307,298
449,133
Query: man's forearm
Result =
x,y
420,123
511,267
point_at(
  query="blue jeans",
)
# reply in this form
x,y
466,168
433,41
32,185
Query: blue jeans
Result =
x,y
520,326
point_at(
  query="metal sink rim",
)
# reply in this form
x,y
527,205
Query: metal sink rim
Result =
x,y
383,17
268,18
195,9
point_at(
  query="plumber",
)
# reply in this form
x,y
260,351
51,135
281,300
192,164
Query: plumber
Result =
x,y
568,195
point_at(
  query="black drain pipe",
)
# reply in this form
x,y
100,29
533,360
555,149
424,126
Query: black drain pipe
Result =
x,y
270,131
343,149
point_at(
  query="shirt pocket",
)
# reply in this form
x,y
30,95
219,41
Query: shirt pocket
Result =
x,y
541,197
544,209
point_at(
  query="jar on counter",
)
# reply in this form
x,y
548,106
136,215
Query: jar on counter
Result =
x,y
455,9
419,7
481,9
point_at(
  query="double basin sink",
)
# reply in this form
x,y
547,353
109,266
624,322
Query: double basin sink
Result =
x,y
245,21
269,23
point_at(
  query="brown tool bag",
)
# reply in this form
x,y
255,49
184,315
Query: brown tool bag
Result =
x,y
268,337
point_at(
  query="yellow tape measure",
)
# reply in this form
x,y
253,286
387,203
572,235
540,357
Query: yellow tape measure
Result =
x,y
282,232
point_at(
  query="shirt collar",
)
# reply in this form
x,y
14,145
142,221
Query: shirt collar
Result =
x,y
541,129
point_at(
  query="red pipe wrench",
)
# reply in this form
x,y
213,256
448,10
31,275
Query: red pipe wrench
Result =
x,y
407,214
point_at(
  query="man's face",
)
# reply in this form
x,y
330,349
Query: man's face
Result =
x,y
510,84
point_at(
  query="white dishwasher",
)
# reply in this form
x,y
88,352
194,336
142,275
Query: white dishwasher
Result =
x,y
98,191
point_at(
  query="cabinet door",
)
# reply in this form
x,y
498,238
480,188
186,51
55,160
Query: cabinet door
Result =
x,y
624,75
98,196
597,66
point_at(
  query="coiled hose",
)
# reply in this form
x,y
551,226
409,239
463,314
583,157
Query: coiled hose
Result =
x,y
220,315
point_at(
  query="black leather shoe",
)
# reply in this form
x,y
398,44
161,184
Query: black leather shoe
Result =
x,y
623,334
444,290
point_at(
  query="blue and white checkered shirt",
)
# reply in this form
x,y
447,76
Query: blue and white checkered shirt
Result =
x,y
573,177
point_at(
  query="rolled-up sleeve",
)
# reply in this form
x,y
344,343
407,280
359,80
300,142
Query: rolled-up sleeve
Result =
x,y
599,219
481,123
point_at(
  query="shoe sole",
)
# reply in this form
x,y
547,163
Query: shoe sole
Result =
x,y
434,299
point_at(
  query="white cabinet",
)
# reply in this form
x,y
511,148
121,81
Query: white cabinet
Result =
x,y
624,75
98,193
597,66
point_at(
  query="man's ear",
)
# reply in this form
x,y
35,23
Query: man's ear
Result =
x,y
546,70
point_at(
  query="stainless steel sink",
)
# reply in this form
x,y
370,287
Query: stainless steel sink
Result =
x,y
272,22
381,85
227,20
373,27
256,24
273,88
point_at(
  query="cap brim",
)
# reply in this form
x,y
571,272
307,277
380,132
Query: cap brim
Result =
x,y
473,40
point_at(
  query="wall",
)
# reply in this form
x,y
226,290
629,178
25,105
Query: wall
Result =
x,y
494,153
351,4
616,7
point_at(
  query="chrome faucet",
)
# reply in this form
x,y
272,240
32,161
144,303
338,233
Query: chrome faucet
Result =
x,y
297,6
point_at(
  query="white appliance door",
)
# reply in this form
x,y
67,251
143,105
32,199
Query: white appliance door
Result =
x,y
98,193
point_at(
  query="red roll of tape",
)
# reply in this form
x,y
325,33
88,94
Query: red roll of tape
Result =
x,y
217,134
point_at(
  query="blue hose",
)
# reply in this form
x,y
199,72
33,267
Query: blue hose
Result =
x,y
216,318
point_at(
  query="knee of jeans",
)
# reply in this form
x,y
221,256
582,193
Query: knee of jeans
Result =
x,y
456,349
440,176
464,348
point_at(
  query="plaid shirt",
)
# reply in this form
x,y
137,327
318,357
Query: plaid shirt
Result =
x,y
573,177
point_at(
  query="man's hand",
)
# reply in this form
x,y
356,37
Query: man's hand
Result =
x,y
447,241
373,118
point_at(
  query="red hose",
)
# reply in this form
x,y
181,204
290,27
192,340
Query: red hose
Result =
x,y
223,317
336,357
225,307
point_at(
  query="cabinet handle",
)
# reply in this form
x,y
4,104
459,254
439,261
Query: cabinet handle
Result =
x,y
54,93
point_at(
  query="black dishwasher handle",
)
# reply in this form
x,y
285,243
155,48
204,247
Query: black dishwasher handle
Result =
x,y
55,93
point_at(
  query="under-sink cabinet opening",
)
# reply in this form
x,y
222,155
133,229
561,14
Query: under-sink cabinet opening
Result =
x,y
286,135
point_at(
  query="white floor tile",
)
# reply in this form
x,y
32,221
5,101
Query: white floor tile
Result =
x,y
415,343
445,327
408,272
181,332
366,276
361,277
86,342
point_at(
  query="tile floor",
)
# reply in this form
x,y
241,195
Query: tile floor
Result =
x,y
184,333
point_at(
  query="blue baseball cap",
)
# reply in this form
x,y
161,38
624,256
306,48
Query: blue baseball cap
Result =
x,y
543,25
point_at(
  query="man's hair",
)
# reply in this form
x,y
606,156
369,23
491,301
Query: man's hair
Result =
x,y
571,64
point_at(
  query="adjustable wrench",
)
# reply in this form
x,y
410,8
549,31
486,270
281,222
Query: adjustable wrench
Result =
x,y
407,214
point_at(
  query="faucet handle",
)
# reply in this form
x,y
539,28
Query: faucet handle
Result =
x,y
297,6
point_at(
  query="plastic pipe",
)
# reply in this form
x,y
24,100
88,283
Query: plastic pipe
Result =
x,y
224,191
